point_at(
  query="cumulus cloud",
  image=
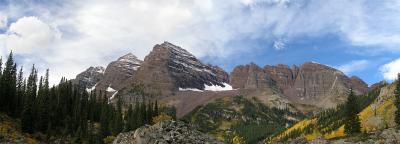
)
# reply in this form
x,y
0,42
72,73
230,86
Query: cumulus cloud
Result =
x,y
28,34
354,66
390,70
78,34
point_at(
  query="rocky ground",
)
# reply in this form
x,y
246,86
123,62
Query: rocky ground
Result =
x,y
166,132
10,133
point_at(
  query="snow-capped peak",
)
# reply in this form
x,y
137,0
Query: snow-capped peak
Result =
x,y
97,69
178,49
130,58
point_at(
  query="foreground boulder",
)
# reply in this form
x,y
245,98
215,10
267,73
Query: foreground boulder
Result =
x,y
166,132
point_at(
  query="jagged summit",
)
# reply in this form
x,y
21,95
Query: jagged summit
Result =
x,y
89,77
128,62
119,72
170,67
311,83
130,58
177,49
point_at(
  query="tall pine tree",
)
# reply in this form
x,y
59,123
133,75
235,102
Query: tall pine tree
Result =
x,y
27,116
20,92
352,124
8,86
397,101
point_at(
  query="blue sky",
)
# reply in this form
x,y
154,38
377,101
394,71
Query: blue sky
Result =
x,y
327,49
359,37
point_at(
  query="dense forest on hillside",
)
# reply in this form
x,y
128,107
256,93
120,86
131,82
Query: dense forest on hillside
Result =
x,y
66,110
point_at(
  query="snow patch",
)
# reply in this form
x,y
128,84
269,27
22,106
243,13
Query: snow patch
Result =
x,y
218,88
100,71
113,96
109,89
91,89
210,88
135,68
190,89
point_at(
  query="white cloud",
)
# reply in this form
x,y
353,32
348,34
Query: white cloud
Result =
x,y
390,70
279,44
354,66
3,21
78,34
27,35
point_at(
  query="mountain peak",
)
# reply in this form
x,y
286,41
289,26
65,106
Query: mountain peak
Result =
x,y
98,69
129,58
177,49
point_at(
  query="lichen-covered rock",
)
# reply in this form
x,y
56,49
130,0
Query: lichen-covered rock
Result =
x,y
166,132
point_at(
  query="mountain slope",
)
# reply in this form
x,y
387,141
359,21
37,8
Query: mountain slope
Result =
x,y
169,68
228,117
118,73
11,133
89,78
377,113
310,87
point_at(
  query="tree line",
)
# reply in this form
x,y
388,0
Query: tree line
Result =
x,y
66,109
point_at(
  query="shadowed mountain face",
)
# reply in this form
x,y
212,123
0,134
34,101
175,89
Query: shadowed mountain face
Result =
x,y
90,77
170,70
116,76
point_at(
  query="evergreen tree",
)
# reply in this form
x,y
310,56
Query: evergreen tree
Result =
x,y
104,118
143,114
149,113
42,104
1,66
8,86
352,124
156,111
20,92
27,117
397,101
1,73
118,123
136,116
129,122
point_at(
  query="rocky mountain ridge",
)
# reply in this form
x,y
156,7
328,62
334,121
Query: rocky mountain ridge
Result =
x,y
308,84
90,77
169,70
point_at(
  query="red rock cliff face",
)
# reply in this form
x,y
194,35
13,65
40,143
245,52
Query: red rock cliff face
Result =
x,y
250,76
311,84
154,73
282,75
